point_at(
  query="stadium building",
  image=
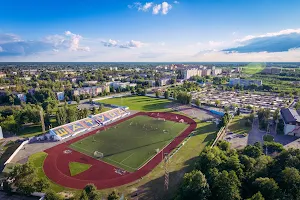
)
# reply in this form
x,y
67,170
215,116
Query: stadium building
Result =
x,y
74,128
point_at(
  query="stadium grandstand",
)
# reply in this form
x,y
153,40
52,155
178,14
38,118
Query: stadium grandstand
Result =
x,y
86,124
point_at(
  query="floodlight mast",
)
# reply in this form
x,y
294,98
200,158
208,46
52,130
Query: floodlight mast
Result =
x,y
166,163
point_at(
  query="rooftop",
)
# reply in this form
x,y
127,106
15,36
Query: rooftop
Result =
x,y
290,115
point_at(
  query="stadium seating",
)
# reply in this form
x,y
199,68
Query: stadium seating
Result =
x,y
85,124
109,116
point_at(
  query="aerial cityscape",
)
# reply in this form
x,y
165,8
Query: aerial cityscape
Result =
x,y
154,100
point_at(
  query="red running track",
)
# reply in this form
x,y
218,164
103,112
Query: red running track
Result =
x,y
101,174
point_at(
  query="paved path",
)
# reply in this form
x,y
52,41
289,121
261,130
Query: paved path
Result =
x,y
255,135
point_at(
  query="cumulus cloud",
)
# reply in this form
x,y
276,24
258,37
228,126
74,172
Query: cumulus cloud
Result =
x,y
127,45
141,7
161,8
166,7
69,41
156,9
13,45
110,43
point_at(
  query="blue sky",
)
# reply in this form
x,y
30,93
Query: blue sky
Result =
x,y
124,30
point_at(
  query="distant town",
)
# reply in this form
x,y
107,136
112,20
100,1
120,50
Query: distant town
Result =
x,y
49,111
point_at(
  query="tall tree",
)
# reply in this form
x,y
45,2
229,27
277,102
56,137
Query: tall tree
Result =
x,y
226,186
268,188
194,186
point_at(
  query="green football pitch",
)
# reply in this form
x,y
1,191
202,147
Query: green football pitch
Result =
x,y
130,144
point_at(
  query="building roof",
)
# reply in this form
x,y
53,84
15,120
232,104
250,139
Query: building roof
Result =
x,y
290,115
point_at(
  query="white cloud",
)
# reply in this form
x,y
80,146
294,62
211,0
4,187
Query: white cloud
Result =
x,y
74,41
8,37
272,34
166,7
127,45
69,41
110,43
156,9
147,6
141,7
1,50
162,8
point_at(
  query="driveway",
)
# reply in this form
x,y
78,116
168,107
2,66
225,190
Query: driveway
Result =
x,y
255,135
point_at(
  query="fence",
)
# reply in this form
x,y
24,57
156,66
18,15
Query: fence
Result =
x,y
221,133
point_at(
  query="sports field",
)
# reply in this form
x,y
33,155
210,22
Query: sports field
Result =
x,y
130,144
140,103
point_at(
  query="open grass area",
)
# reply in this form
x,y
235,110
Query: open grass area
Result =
x,y
37,161
238,126
140,103
130,144
253,68
77,168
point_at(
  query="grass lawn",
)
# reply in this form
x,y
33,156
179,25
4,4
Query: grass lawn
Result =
x,y
77,168
140,103
253,68
130,144
38,161
237,125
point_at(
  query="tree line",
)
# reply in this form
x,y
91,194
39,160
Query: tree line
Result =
x,y
228,174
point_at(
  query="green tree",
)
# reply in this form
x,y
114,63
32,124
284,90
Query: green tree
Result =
x,y
194,186
252,151
268,187
94,110
83,195
157,94
61,116
257,196
100,108
50,195
113,196
166,94
217,102
71,114
197,102
41,184
226,186
290,182
85,113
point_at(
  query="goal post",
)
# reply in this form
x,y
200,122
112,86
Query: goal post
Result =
x,y
98,154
